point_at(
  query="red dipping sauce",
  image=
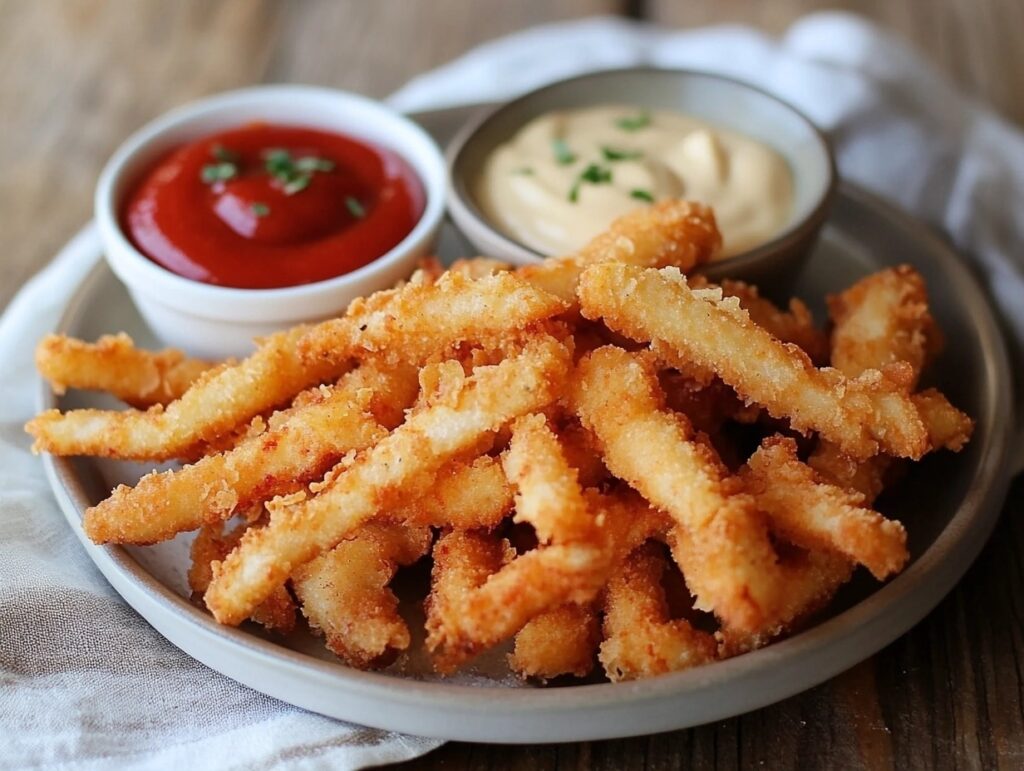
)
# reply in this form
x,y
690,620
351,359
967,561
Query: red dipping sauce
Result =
x,y
267,206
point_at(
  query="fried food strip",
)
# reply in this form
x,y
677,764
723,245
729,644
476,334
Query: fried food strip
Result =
x,y
217,401
732,570
810,513
948,428
463,561
883,319
345,596
464,496
862,415
549,495
679,233
520,589
299,446
794,325
640,640
212,544
423,319
400,467
811,579
478,267
580,453
880,320
113,364
562,641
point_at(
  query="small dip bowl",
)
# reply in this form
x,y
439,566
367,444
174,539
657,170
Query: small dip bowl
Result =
x,y
722,101
217,321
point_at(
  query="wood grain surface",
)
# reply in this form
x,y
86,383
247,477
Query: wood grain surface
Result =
x,y
76,76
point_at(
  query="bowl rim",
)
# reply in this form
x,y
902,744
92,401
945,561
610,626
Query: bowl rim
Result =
x,y
429,169
462,205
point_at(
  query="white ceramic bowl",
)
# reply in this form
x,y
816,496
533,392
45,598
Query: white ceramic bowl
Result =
x,y
216,321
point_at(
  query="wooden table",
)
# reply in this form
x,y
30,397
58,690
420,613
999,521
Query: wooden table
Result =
x,y
76,76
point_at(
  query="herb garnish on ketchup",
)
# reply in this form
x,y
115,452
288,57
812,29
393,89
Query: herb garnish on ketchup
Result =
x,y
265,206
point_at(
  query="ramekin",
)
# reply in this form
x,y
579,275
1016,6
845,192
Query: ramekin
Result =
x,y
215,321
720,100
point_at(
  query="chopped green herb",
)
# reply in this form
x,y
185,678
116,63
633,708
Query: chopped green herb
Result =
x,y
259,209
221,153
526,171
641,195
294,174
312,163
595,174
612,154
563,154
296,183
634,122
218,172
355,208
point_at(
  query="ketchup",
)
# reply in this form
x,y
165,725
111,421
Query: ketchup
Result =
x,y
266,206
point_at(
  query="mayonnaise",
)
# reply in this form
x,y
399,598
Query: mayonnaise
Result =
x,y
565,175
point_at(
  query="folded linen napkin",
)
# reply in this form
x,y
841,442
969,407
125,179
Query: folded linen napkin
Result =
x,y
86,683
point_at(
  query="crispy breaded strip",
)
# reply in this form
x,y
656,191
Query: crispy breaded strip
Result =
x,y
420,320
862,415
810,513
580,453
217,402
549,495
538,581
882,319
640,640
212,544
113,364
473,495
948,428
299,446
679,233
562,641
794,325
463,561
478,267
811,580
732,572
398,468
345,596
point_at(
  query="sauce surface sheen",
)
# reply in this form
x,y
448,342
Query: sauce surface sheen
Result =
x,y
268,206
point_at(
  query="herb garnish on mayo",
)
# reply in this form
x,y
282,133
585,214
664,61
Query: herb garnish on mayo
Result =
x,y
565,175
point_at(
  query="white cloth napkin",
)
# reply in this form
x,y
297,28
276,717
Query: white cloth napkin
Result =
x,y
85,683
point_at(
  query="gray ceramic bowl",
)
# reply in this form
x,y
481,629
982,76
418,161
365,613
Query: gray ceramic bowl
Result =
x,y
719,100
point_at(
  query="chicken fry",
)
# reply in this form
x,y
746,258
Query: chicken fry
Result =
x,y
113,364
299,445
732,572
862,415
679,233
216,402
421,320
562,641
464,496
398,468
212,544
880,320
345,596
810,513
640,640
549,494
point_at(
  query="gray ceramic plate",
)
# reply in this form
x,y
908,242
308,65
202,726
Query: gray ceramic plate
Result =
x,y
949,503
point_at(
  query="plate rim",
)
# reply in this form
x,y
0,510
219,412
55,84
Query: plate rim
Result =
x,y
471,712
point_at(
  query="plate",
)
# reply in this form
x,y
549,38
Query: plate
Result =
x,y
949,503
